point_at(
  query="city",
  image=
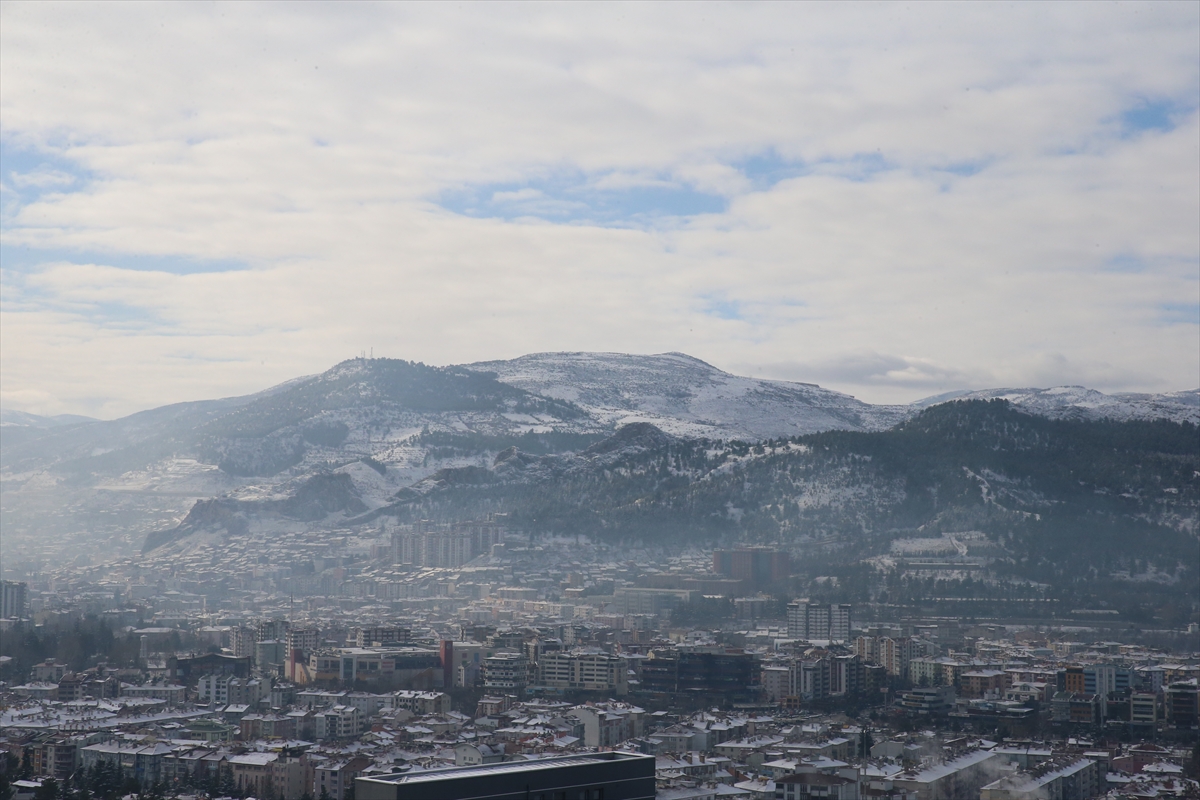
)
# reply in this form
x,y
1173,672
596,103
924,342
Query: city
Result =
x,y
437,648
599,401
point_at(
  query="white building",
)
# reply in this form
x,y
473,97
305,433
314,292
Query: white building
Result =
x,y
584,670
338,722
808,620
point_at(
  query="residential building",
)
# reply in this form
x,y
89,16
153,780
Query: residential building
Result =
x,y
584,671
638,600
608,724
334,778
822,621
422,703
253,773
505,672
928,700
1182,701
14,599
1066,778
757,566
338,722
955,779
1143,708
809,785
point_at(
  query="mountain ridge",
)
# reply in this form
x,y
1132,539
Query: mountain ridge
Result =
x,y
392,426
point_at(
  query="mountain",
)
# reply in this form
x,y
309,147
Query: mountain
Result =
x,y
107,485
973,454
1086,503
20,419
685,396
396,428
19,426
1078,402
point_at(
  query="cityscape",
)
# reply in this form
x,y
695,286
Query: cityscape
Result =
x,y
437,648
695,400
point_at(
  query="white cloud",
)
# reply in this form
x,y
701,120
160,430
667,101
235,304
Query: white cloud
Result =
x,y
310,142
42,178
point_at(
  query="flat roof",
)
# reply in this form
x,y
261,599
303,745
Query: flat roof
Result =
x,y
506,767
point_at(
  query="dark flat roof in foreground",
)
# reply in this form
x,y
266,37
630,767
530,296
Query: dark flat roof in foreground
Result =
x,y
609,775
441,773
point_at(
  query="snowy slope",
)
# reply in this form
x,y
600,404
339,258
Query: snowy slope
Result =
x,y
1078,402
20,419
687,397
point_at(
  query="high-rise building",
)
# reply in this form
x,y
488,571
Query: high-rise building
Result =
x,y
815,678
242,641
505,672
757,566
430,544
14,597
839,622
275,629
1183,703
808,620
894,654
304,639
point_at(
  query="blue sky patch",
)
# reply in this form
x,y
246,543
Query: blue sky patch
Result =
x,y
614,199
769,168
578,198
1125,262
21,258
28,174
966,169
858,168
1152,115
723,308
1180,313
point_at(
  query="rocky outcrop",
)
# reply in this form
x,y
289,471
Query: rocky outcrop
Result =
x,y
634,436
206,515
322,495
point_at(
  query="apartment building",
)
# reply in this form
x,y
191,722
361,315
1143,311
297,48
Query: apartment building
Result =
x,y
584,671
822,621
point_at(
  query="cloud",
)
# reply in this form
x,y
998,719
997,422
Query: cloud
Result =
x,y
867,368
889,200
41,179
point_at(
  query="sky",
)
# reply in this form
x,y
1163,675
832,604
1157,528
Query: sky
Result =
x,y
892,200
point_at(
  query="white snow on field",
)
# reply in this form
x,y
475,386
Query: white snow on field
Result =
x,y
910,547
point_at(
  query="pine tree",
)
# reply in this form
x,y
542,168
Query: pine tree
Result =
x,y
11,764
47,791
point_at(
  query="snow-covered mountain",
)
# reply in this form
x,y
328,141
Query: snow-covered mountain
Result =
x,y
21,419
1078,402
687,397
389,425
